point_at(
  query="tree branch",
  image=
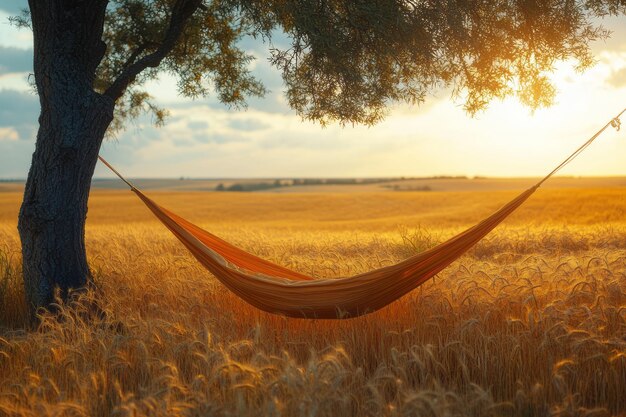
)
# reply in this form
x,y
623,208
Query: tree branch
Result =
x,y
131,59
181,12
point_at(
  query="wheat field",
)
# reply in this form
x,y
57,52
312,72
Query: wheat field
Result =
x,y
531,322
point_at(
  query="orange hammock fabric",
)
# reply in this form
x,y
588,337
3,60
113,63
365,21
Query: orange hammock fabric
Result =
x,y
279,290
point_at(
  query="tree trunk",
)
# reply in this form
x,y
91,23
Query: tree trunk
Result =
x,y
53,213
72,124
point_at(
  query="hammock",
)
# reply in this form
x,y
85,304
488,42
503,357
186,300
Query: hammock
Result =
x,y
279,290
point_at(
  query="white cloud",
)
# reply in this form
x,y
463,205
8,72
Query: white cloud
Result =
x,y
618,78
8,134
505,140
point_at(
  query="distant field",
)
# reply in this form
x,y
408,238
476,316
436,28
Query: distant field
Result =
x,y
424,184
531,322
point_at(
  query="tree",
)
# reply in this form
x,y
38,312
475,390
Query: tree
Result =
x,y
348,60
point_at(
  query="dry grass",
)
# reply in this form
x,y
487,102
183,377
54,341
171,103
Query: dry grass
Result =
x,y
532,322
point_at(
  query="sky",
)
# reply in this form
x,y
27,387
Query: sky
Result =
x,y
204,139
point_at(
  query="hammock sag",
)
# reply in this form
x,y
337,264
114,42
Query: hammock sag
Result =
x,y
279,290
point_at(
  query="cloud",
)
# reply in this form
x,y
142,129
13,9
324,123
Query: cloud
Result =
x,y
19,111
203,138
248,124
206,138
8,134
197,125
15,60
617,78
15,156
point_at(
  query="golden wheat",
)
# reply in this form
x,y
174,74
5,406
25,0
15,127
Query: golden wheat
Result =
x,y
531,322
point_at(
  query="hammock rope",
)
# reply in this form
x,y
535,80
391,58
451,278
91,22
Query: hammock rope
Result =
x,y
279,290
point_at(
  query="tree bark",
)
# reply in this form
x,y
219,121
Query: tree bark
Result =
x,y
72,124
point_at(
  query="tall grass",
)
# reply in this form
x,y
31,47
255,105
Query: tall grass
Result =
x,y
531,322
12,306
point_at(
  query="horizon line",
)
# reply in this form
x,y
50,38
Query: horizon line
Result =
x,y
394,177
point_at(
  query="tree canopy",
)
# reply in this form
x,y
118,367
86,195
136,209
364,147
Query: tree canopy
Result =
x,y
347,60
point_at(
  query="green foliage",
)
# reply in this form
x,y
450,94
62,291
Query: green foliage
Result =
x,y
348,60
205,59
